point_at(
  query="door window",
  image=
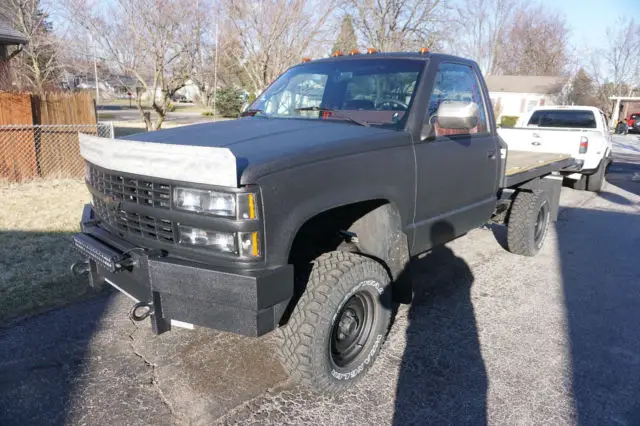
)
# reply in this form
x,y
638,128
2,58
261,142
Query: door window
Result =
x,y
455,82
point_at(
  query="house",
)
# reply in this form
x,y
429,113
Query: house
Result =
x,y
513,95
624,106
8,37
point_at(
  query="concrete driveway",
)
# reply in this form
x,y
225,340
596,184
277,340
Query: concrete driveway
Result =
x,y
492,338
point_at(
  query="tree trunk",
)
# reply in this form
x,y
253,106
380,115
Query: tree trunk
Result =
x,y
146,115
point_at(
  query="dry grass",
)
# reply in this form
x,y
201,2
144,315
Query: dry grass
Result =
x,y
36,222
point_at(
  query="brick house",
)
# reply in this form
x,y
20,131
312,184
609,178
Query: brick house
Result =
x,y
8,37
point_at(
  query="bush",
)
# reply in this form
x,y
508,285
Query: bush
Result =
x,y
229,101
207,113
508,120
171,107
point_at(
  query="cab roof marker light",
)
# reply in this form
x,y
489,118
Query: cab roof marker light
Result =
x,y
423,51
337,53
354,52
371,51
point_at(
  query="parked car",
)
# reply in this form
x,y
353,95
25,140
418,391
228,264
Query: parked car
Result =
x,y
634,122
179,98
579,131
302,220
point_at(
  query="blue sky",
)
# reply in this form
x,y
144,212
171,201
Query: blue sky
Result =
x,y
588,19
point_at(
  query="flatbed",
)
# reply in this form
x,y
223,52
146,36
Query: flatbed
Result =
x,y
522,166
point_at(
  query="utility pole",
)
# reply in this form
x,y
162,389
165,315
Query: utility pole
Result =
x,y
215,73
95,68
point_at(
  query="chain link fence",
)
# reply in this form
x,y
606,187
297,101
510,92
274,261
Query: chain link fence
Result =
x,y
50,151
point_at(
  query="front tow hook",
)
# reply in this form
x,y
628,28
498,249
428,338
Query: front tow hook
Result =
x,y
80,268
140,311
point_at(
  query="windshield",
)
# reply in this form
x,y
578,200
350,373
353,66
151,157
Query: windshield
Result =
x,y
563,118
371,91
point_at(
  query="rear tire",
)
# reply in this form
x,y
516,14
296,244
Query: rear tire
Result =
x,y
580,184
595,182
528,223
338,326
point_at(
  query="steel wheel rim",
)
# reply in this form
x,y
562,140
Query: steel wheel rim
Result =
x,y
541,224
352,329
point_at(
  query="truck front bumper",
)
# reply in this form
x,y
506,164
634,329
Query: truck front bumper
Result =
x,y
244,302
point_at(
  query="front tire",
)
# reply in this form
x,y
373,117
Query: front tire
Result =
x,y
528,223
338,326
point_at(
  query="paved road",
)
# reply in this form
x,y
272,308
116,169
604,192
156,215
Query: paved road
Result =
x,y
127,114
492,338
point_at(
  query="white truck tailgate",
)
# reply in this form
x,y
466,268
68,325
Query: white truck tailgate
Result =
x,y
558,141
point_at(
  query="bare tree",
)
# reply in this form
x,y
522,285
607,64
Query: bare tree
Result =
x,y
616,67
390,25
619,62
150,40
534,43
275,34
218,43
480,35
36,65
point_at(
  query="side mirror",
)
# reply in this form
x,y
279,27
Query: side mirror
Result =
x,y
458,115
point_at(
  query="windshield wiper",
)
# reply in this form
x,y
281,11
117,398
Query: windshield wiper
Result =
x,y
334,113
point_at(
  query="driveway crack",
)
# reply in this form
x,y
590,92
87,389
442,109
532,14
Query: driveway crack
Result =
x,y
154,373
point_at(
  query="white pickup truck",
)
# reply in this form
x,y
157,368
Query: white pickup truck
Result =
x,y
579,131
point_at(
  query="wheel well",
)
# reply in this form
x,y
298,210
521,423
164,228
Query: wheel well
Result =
x,y
321,233
377,225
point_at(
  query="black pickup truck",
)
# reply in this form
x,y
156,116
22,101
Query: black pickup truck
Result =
x,y
302,216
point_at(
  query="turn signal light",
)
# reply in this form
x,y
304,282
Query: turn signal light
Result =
x,y
423,50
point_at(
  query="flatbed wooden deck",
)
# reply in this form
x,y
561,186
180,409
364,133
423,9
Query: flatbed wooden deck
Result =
x,y
524,165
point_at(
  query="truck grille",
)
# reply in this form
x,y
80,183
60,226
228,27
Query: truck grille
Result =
x,y
134,223
140,191
122,188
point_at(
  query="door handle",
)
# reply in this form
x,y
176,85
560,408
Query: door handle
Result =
x,y
536,143
491,155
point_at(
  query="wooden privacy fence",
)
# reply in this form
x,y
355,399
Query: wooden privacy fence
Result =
x,y
39,134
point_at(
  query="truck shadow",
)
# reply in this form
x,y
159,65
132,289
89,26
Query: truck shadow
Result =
x,y
442,379
624,172
598,253
42,357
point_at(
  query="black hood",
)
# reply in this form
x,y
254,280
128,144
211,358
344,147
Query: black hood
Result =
x,y
264,145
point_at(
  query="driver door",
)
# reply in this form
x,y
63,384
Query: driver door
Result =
x,y
457,169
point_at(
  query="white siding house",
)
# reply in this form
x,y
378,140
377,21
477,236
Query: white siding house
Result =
x,y
513,95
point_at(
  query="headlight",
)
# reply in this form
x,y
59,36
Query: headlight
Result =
x,y
237,206
245,244
224,242
212,202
